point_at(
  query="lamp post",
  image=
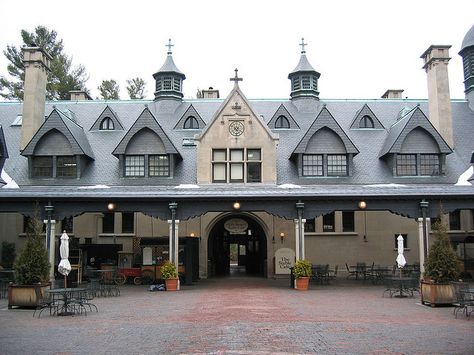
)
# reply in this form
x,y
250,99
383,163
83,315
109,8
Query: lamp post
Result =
x,y
299,208
424,206
173,206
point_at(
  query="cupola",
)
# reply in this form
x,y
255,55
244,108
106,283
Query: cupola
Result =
x,y
304,79
169,79
467,54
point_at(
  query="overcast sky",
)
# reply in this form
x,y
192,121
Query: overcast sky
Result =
x,y
361,48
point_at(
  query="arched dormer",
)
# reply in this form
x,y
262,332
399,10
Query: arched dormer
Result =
x,y
282,119
325,150
107,121
145,150
190,120
365,118
59,149
413,147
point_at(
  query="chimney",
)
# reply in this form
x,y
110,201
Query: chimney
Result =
x,y
436,59
393,94
36,62
210,93
79,95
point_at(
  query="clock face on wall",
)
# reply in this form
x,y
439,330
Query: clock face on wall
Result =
x,y
236,128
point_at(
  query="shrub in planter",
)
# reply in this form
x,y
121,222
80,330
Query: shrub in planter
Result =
x,y
169,273
441,267
302,272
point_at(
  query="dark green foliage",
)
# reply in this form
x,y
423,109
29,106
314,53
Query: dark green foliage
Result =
x,y
303,268
136,88
32,265
109,90
442,262
62,78
8,254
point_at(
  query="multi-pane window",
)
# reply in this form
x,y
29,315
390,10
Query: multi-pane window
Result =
x,y
406,164
67,224
107,124
191,123
167,83
328,222
337,165
309,226
418,164
306,81
429,164
108,222
405,240
158,165
219,165
66,166
313,165
282,122
128,222
243,165
348,221
366,122
134,165
43,167
455,220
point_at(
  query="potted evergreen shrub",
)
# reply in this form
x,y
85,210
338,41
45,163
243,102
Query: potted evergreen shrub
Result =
x,y
441,268
170,275
302,272
31,267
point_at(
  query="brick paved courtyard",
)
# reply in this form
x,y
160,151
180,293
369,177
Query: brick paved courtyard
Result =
x,y
243,316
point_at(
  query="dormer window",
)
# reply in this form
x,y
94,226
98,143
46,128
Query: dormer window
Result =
x,y
43,167
366,122
107,124
191,123
325,165
54,167
282,122
418,165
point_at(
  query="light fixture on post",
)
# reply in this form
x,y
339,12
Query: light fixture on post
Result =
x,y
172,252
363,205
282,236
236,205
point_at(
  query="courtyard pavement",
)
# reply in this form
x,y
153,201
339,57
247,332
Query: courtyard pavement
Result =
x,y
243,316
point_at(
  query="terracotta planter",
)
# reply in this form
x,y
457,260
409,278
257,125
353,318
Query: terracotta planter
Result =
x,y
24,295
436,293
171,284
302,283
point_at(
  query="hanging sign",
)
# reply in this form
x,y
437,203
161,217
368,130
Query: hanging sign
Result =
x,y
236,226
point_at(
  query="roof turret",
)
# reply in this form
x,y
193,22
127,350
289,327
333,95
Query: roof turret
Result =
x,y
304,79
169,79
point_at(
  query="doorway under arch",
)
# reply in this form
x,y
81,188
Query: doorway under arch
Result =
x,y
237,245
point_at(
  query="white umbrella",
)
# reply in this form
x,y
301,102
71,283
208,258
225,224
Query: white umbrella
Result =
x,y
400,258
64,266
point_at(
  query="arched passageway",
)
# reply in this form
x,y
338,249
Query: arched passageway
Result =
x,y
237,245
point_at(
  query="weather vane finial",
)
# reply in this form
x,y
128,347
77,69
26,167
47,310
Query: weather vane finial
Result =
x,y
169,45
302,44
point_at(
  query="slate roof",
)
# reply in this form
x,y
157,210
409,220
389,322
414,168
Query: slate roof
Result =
x,y
368,168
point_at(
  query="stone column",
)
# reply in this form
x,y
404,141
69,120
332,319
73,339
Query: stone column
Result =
x,y
173,241
421,241
299,247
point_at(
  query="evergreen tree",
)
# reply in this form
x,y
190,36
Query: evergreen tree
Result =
x,y
136,88
32,265
62,78
442,262
109,90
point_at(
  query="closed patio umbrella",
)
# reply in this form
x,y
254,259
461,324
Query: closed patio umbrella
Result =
x,y
64,266
400,258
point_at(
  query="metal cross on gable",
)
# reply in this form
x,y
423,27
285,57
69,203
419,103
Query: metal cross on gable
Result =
x,y
169,45
236,78
302,44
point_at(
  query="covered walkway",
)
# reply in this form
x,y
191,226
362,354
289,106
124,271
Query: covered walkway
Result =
x,y
242,315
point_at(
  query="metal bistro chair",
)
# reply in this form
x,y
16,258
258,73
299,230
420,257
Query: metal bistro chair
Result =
x,y
350,273
462,302
45,301
332,274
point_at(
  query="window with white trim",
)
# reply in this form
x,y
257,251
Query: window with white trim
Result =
x,y
236,165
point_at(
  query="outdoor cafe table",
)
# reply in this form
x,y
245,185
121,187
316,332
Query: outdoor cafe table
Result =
x,y
400,285
66,295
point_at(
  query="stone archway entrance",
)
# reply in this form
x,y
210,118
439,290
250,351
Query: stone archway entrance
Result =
x,y
237,245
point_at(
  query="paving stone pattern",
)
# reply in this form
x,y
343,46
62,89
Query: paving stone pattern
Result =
x,y
243,316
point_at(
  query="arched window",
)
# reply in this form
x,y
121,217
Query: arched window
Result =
x,y
282,122
191,123
366,122
107,124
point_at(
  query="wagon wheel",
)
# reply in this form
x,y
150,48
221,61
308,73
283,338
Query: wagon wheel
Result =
x,y
137,280
148,277
120,279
